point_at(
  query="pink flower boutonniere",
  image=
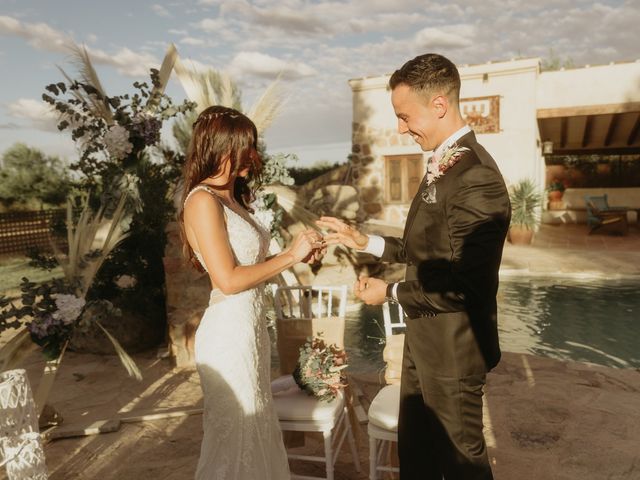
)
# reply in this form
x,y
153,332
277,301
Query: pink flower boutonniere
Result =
x,y
436,167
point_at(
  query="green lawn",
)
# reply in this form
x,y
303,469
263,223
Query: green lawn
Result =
x,y
12,269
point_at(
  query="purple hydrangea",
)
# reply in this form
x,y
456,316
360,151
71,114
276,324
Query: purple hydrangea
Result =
x,y
147,128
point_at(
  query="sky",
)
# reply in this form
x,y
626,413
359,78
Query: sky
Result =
x,y
315,46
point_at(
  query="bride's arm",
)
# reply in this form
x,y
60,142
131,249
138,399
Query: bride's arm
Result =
x,y
204,218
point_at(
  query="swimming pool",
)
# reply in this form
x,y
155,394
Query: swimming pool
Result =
x,y
594,321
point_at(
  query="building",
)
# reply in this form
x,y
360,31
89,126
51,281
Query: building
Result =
x,y
526,118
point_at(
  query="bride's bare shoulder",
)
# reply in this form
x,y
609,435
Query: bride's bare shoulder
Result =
x,y
201,202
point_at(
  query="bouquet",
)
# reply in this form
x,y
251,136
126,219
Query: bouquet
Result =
x,y
319,371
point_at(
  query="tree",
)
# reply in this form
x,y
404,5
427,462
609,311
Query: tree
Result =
x,y
555,62
28,175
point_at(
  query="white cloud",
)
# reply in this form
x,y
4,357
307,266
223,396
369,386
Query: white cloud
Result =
x,y
262,65
196,65
211,24
160,10
40,114
126,62
38,35
43,37
459,36
192,41
175,31
385,21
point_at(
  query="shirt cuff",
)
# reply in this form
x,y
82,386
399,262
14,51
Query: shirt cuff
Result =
x,y
375,245
394,292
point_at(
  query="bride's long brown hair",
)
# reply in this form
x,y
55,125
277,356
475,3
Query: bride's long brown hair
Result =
x,y
220,133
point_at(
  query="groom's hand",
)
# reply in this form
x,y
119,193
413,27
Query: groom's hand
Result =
x,y
371,291
342,233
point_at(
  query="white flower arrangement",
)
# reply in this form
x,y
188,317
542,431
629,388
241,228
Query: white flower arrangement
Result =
x,y
116,141
68,307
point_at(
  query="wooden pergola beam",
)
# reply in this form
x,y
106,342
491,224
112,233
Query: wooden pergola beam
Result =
x,y
633,135
586,135
563,132
613,123
604,109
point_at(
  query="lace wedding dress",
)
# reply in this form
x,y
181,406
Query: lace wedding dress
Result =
x,y
242,437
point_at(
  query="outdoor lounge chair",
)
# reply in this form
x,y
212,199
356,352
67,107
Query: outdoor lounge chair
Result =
x,y
602,217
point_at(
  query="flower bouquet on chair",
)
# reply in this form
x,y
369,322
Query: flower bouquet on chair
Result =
x,y
319,371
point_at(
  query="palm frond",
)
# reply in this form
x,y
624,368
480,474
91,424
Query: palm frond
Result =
x,y
163,77
15,350
87,252
267,107
88,75
126,360
227,95
191,82
182,130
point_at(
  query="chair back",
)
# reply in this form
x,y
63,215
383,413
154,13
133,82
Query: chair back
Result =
x,y
597,202
394,326
306,311
393,316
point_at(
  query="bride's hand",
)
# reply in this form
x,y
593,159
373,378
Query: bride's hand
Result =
x,y
305,244
343,233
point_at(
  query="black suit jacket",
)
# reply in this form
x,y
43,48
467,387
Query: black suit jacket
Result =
x,y
453,248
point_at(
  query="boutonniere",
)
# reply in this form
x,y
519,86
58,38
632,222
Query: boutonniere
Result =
x,y
436,167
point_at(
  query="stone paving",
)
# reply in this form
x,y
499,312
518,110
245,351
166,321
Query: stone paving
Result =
x,y
544,418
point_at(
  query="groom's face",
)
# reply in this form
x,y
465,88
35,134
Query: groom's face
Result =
x,y
417,116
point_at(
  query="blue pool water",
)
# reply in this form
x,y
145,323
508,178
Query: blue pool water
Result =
x,y
595,321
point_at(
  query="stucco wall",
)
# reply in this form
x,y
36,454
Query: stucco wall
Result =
x,y
515,147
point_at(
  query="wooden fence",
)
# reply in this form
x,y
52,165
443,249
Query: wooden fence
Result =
x,y
21,231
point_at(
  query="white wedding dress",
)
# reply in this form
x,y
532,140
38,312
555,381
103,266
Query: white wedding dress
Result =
x,y
242,437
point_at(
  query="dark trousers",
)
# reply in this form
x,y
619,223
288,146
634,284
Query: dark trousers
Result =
x,y
440,424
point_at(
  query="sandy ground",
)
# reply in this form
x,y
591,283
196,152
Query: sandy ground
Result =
x,y
544,418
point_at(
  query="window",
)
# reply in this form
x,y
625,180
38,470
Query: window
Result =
x,y
403,175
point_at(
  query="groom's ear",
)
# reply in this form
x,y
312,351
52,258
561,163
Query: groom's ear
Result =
x,y
440,105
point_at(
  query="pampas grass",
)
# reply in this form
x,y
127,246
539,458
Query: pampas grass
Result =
x,y
267,107
87,252
80,58
208,88
125,358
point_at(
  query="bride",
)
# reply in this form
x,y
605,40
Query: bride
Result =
x,y
242,439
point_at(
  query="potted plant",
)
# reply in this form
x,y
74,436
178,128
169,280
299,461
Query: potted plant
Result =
x,y
556,189
525,211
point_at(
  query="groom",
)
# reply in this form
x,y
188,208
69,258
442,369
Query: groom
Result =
x,y
452,246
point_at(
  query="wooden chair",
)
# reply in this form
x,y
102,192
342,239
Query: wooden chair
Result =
x,y
303,311
602,217
384,409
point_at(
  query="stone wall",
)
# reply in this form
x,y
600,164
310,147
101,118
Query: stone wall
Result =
x,y
369,147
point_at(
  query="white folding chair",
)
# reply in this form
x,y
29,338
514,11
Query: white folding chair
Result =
x,y
315,307
384,409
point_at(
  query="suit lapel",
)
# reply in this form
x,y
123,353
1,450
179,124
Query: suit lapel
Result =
x,y
411,215
465,141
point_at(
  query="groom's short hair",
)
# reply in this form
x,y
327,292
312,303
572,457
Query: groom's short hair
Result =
x,y
429,74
